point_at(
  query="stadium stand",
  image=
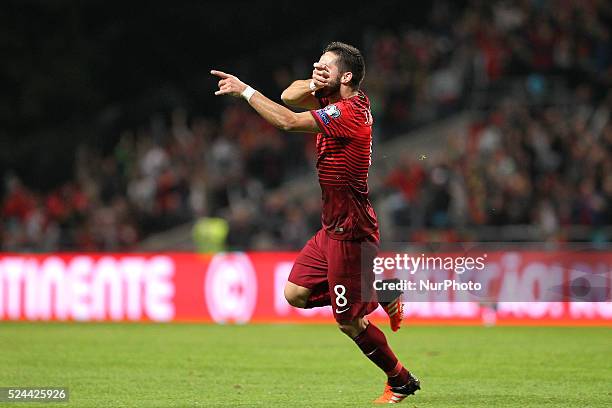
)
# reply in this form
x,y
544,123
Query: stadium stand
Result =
x,y
504,170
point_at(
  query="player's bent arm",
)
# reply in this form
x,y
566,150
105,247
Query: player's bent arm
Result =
x,y
299,95
281,117
275,114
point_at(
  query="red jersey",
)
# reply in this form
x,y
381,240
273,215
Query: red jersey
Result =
x,y
344,155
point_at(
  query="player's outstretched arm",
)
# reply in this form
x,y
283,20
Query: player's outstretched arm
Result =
x,y
275,114
300,94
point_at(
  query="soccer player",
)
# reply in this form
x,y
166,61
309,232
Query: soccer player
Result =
x,y
328,269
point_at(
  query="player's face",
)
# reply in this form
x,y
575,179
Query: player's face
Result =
x,y
333,87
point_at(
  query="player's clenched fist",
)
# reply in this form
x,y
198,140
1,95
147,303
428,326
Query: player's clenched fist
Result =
x,y
320,75
229,84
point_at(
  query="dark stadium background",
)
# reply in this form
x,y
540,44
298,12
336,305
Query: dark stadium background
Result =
x,y
81,71
88,84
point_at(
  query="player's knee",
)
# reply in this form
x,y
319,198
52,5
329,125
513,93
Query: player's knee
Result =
x,y
354,327
294,297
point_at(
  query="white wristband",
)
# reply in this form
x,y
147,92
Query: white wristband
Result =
x,y
312,86
247,93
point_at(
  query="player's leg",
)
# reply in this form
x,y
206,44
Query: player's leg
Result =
x,y
350,306
296,295
395,311
307,284
373,343
391,302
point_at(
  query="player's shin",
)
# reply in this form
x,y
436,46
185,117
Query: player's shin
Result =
x,y
373,344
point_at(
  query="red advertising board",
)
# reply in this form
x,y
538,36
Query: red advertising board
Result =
x,y
248,287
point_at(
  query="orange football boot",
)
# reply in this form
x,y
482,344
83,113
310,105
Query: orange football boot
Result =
x,y
395,311
395,395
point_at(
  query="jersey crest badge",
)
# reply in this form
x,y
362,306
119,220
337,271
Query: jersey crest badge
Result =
x,y
332,111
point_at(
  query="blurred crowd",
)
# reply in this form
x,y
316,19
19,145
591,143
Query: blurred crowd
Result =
x,y
534,160
416,76
549,165
159,177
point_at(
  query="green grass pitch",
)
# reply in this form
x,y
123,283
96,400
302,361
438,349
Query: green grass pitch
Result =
x,y
190,365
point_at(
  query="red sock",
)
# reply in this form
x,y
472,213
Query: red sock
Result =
x,y
373,344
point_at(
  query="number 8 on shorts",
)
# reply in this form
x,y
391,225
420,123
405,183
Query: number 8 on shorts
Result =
x,y
340,291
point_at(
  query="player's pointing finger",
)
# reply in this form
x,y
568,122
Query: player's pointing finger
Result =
x,y
220,74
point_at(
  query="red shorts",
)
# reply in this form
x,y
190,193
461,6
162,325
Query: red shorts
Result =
x,y
326,264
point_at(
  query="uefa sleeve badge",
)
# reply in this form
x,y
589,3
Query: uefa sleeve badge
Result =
x,y
333,111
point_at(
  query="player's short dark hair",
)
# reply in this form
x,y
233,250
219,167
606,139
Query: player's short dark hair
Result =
x,y
349,60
